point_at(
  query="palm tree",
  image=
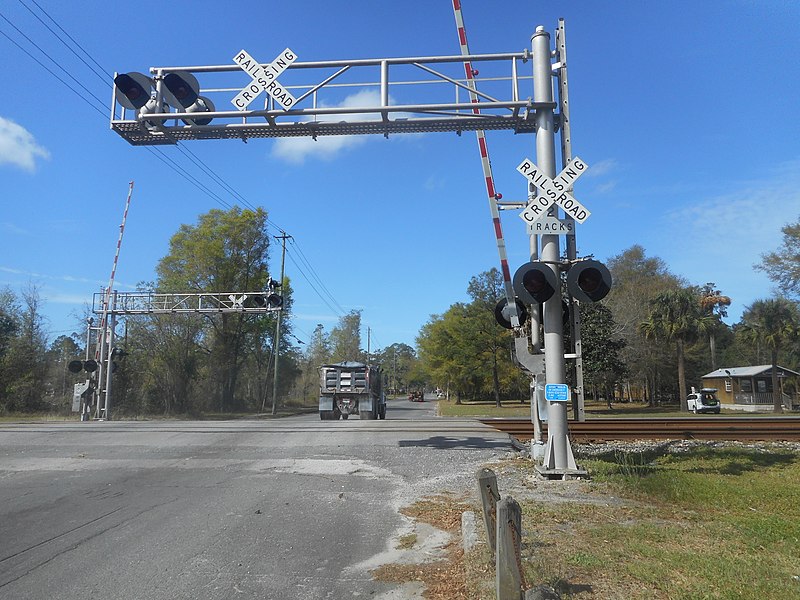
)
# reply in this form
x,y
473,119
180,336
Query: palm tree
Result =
x,y
772,323
676,316
713,303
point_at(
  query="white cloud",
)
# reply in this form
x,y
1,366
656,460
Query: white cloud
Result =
x,y
13,229
721,238
18,147
297,149
602,167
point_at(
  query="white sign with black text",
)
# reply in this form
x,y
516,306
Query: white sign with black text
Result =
x,y
553,191
264,80
551,226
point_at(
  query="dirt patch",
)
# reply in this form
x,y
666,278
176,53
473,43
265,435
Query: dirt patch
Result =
x,y
445,578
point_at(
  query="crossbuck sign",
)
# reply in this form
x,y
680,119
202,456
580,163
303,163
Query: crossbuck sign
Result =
x,y
264,79
553,191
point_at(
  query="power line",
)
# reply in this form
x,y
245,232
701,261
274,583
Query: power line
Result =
x,y
319,281
314,287
102,76
190,178
49,70
312,277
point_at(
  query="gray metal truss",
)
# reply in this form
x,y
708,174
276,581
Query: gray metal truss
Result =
x,y
399,95
143,303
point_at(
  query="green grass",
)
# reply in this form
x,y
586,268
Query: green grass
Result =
x,y
717,523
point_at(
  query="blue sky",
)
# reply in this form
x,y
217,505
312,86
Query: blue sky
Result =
x,y
684,111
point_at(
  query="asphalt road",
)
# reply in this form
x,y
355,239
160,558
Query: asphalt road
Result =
x,y
289,508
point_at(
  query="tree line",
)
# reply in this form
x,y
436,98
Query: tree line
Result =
x,y
651,338
183,364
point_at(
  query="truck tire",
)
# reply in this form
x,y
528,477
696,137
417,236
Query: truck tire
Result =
x,y
345,416
326,415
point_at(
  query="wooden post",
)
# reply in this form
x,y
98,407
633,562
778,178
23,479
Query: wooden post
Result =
x,y
487,489
509,545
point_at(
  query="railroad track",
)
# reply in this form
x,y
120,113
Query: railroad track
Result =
x,y
673,428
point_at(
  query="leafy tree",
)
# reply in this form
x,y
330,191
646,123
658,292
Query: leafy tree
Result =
x,y
465,350
226,251
318,352
442,350
398,360
62,350
603,366
676,316
637,280
772,323
490,341
25,367
783,265
345,338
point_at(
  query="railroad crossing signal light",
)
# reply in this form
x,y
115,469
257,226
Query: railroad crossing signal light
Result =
x,y
76,366
535,282
134,90
265,301
588,281
182,91
502,312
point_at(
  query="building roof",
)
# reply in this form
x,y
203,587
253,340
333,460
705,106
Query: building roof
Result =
x,y
745,371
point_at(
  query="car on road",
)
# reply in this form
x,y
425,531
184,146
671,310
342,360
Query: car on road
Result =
x,y
703,401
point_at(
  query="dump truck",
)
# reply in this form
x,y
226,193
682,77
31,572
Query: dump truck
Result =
x,y
351,388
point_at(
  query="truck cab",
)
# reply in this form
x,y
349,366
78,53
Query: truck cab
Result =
x,y
704,401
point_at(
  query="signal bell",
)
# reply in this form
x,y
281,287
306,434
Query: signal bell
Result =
x,y
588,281
535,282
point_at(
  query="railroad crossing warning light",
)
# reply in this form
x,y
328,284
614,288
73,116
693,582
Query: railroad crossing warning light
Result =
x,y
90,366
182,91
502,312
134,90
266,301
535,282
588,281
117,353
75,366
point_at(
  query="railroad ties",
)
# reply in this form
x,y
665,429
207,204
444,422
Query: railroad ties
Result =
x,y
675,428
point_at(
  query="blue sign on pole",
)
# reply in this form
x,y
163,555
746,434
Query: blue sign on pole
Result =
x,y
556,392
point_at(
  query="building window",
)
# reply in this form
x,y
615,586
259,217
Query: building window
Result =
x,y
761,386
728,385
747,385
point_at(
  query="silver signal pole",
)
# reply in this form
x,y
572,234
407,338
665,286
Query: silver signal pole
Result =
x,y
558,454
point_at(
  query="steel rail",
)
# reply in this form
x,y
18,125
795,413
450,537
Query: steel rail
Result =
x,y
669,428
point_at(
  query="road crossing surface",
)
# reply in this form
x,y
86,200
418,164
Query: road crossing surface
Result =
x,y
287,508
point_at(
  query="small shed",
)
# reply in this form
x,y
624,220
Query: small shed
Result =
x,y
749,388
